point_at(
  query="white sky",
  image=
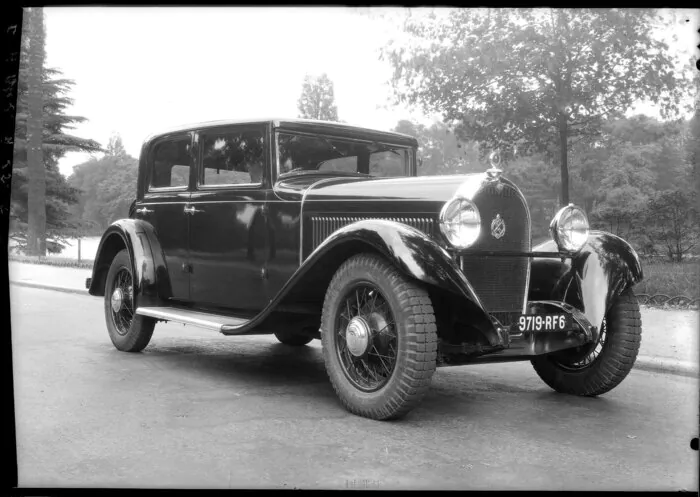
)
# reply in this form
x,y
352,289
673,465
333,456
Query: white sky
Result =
x,y
138,70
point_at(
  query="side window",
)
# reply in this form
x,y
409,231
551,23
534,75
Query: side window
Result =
x,y
171,160
345,164
232,158
389,163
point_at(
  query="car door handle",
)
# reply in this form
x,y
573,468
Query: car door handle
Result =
x,y
191,210
143,210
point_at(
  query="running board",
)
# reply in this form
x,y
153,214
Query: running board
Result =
x,y
216,322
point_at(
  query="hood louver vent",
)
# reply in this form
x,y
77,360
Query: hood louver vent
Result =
x,y
323,226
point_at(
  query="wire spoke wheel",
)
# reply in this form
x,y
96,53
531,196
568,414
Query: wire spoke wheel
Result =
x,y
379,338
593,352
367,340
128,331
122,301
601,366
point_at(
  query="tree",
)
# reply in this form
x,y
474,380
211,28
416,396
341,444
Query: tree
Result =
x,y
115,147
317,100
534,80
440,151
107,186
632,160
40,208
36,241
672,218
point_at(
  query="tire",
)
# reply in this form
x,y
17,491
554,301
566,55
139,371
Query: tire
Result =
x,y
128,332
292,337
619,343
394,385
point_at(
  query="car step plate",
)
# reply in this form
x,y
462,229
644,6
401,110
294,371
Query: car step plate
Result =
x,y
214,322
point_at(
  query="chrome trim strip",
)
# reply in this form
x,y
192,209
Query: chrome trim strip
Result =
x,y
194,318
529,229
301,215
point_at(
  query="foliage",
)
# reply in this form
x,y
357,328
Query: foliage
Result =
x,y
440,151
672,221
692,148
107,186
533,81
317,100
670,278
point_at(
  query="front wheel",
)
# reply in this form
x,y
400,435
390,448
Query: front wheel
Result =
x,y
598,368
379,338
128,332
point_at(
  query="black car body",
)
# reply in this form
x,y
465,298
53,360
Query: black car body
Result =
x,y
261,249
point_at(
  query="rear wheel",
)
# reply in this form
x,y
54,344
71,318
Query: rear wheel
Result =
x,y
600,367
128,332
379,338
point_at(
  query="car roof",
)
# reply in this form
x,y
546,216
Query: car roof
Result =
x,y
302,125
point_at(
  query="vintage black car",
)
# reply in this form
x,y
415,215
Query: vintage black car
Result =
x,y
310,229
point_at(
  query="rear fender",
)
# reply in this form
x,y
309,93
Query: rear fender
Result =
x,y
147,261
591,280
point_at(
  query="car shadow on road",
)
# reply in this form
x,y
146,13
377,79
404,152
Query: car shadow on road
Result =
x,y
253,363
262,365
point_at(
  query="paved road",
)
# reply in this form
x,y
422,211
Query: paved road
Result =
x,y
199,410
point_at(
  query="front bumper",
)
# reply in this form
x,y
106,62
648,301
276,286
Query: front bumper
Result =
x,y
514,345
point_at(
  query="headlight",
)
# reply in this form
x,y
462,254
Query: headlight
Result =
x,y
569,228
460,222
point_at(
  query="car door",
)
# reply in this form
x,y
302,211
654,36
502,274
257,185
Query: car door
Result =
x,y
169,166
228,222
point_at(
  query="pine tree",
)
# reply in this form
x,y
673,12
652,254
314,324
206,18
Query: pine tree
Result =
x,y
40,196
317,100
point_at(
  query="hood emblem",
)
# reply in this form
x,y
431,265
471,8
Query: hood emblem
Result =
x,y
498,227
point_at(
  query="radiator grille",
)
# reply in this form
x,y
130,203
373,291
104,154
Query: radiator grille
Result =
x,y
500,282
323,226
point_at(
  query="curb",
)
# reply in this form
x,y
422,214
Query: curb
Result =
x,y
644,363
44,286
667,366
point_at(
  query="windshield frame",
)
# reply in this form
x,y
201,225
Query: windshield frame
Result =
x,y
410,167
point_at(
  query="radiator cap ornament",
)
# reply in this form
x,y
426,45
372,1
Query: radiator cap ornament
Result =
x,y
495,171
498,227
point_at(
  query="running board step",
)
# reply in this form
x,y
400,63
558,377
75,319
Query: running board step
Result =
x,y
215,322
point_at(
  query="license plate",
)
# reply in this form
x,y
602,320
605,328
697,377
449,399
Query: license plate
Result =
x,y
545,322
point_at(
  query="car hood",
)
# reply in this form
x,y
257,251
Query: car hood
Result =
x,y
425,188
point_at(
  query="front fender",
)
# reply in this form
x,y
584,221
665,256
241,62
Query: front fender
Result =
x,y
148,264
592,279
409,249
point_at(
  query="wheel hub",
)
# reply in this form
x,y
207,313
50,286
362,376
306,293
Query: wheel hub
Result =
x,y
357,336
117,299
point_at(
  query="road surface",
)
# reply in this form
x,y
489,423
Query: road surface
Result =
x,y
199,410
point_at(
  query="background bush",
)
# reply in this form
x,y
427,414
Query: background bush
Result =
x,y
670,278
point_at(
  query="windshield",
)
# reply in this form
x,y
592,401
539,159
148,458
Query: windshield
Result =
x,y
302,153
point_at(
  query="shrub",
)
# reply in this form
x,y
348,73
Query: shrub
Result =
x,y
670,278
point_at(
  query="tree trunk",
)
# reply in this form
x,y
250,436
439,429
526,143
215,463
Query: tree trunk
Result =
x,y
563,142
36,239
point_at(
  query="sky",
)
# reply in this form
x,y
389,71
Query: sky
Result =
x,y
139,70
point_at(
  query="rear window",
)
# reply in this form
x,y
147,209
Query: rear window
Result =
x,y
171,160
